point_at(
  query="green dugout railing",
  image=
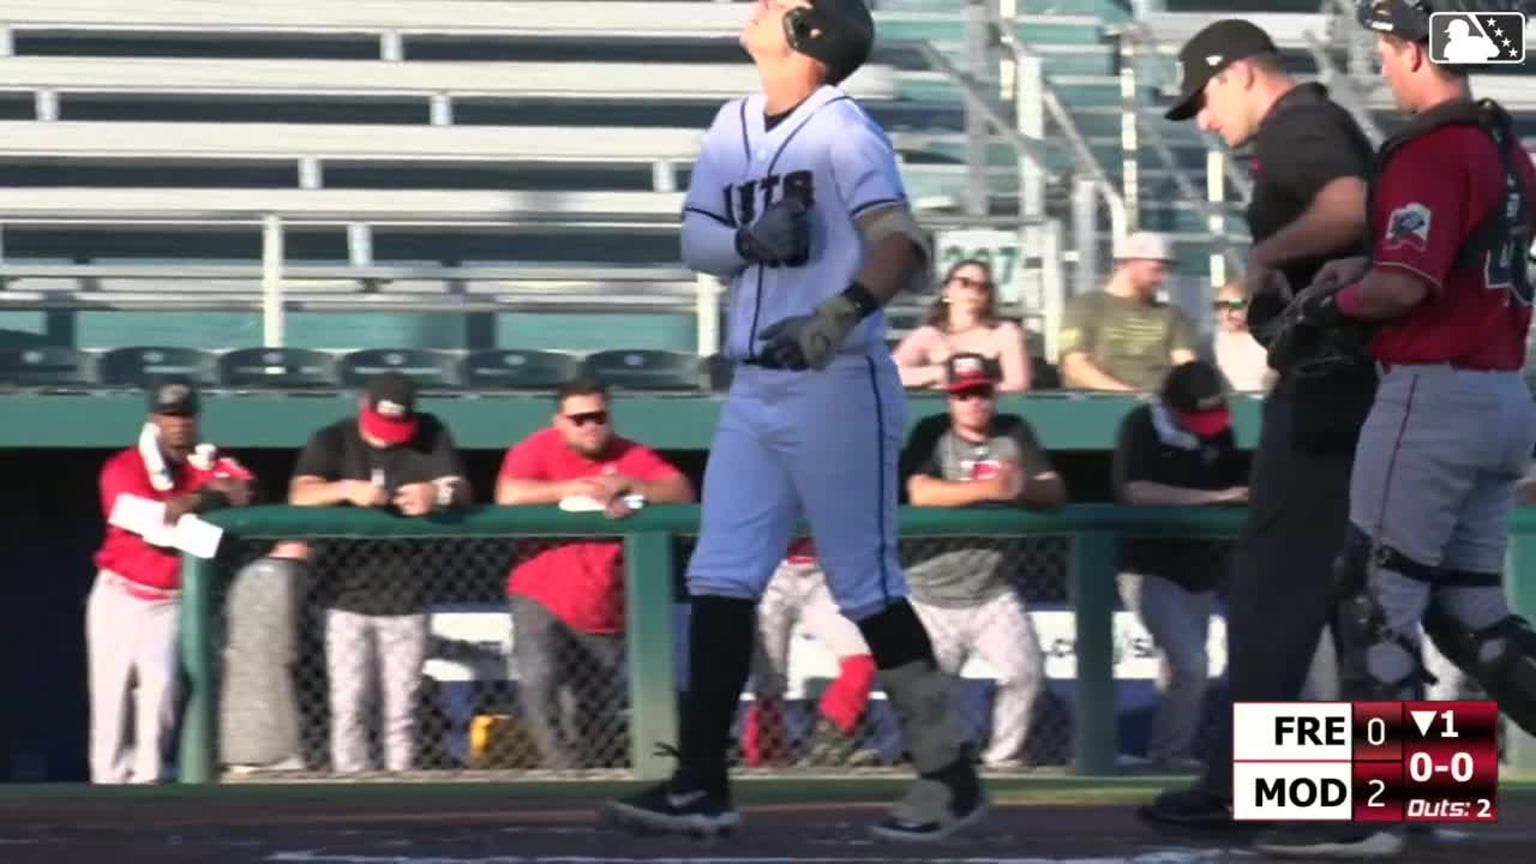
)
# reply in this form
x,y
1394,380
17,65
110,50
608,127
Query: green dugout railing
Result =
x,y
1093,532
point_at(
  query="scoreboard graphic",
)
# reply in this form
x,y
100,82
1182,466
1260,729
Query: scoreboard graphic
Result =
x,y
1365,761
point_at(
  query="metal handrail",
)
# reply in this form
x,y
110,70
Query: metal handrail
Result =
x,y
1082,154
1341,87
1141,34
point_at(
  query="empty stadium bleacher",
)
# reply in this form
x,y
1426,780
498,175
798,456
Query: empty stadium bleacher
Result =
x,y
442,172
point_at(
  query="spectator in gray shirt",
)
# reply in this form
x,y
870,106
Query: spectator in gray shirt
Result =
x,y
972,457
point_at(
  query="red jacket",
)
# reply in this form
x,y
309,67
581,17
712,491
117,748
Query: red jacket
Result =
x,y
126,553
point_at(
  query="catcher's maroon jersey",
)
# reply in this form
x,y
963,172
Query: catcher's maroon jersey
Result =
x,y
1430,199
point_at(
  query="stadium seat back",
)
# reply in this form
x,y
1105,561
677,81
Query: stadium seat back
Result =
x,y
44,366
431,370
516,369
278,368
644,369
142,365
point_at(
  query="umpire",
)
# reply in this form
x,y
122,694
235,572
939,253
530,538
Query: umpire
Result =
x,y
1311,162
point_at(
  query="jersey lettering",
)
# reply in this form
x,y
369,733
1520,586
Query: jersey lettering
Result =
x,y
1506,266
744,201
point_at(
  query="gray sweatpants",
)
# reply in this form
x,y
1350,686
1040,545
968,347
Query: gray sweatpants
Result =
x,y
1179,622
259,716
552,658
1000,634
361,651
1434,482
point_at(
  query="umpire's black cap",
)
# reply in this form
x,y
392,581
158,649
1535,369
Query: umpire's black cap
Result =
x,y
174,397
1208,53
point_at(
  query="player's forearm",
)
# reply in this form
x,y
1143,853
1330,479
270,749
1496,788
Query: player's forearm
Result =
x,y
1145,493
709,246
1334,219
1384,294
933,492
517,492
891,265
314,492
1080,372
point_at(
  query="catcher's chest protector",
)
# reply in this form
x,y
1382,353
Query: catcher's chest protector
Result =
x,y
1494,230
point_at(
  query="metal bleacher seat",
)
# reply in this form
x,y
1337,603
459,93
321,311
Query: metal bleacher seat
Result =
x,y
278,368
430,369
140,365
517,369
643,369
48,366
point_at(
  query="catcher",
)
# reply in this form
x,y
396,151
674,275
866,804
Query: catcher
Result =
x,y
1446,294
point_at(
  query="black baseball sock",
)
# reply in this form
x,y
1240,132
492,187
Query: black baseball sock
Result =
x,y
896,637
720,631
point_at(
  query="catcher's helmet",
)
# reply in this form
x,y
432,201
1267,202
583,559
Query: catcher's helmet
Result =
x,y
839,33
1409,19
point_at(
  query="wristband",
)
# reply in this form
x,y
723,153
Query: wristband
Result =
x,y
1348,300
864,303
445,490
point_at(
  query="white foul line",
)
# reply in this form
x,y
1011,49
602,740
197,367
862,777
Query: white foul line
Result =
x,y
1189,856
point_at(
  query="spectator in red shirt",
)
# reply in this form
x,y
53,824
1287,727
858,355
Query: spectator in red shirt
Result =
x,y
567,599
131,616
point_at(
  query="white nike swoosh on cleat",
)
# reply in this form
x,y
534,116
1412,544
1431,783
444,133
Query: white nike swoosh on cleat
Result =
x,y
678,802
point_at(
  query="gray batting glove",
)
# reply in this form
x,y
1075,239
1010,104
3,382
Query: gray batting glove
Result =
x,y
781,235
809,341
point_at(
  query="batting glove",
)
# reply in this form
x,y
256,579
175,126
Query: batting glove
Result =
x,y
1318,305
811,341
782,235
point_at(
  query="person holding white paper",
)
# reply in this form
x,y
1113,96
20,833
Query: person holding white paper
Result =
x,y
131,615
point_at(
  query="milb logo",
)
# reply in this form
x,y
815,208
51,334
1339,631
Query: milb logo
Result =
x,y
1476,39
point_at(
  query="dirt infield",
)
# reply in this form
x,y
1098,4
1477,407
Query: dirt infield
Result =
x,y
348,825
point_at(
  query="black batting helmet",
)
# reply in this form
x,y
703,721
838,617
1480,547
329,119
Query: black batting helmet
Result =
x,y
839,33
1409,19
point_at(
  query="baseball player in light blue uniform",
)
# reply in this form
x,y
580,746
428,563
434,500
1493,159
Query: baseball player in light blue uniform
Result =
x,y
796,199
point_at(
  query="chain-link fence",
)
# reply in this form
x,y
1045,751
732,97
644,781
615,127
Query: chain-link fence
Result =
x,y
354,657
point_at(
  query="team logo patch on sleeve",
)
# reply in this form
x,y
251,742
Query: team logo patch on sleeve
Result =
x,y
1408,226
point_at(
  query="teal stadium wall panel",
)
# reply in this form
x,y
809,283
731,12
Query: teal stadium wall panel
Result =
x,y
217,330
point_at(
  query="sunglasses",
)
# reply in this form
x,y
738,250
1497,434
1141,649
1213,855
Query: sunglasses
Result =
x,y
599,418
984,393
1229,305
968,282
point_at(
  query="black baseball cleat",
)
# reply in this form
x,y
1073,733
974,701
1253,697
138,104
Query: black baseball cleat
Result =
x,y
936,806
667,808
1190,806
1353,841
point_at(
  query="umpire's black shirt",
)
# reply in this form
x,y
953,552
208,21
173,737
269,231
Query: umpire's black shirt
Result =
x,y
1305,142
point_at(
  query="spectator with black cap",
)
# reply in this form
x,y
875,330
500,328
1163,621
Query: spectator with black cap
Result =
x,y
1177,451
1310,164
394,457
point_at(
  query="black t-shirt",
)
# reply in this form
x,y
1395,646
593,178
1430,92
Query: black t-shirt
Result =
x,y
1305,142
380,577
1144,453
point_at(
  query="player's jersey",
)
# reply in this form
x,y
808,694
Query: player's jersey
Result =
x,y
1448,206
827,150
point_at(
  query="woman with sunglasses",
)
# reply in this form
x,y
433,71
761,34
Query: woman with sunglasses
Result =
x,y
963,320
1240,357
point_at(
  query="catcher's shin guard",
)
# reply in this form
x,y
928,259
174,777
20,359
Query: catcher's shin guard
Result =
x,y
1361,625
1501,658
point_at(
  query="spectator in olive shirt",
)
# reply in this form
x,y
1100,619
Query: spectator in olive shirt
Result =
x,y
1122,338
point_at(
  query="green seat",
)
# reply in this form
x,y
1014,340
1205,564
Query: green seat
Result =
x,y
517,369
143,365
645,369
431,370
278,368
45,366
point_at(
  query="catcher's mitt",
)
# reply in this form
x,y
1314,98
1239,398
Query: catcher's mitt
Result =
x,y
1304,348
